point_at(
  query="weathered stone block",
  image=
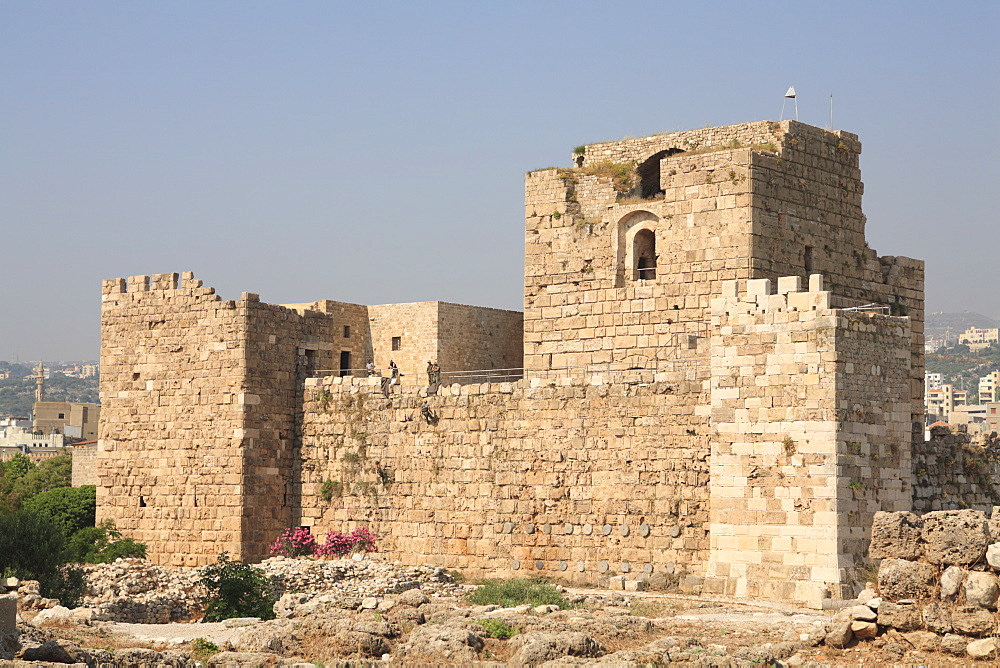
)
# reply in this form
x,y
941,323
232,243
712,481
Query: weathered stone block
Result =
x,y
864,630
955,536
982,589
971,620
951,582
954,644
8,613
840,634
899,578
982,649
937,617
902,617
896,535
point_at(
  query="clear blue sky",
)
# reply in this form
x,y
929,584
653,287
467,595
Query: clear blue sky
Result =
x,y
374,152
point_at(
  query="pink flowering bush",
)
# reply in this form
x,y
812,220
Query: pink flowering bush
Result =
x,y
301,543
339,545
295,543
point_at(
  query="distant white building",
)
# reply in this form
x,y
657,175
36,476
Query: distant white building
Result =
x,y
989,388
939,404
977,339
932,381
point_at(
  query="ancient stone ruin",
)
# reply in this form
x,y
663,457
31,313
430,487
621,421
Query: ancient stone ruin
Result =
x,y
717,388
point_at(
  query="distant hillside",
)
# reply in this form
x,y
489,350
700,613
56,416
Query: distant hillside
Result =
x,y
963,368
936,324
17,392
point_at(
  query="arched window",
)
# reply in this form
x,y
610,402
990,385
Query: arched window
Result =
x,y
644,254
649,173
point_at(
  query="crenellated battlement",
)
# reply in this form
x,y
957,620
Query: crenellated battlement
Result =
x,y
757,296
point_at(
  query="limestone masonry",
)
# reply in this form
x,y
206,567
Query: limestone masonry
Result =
x,y
715,385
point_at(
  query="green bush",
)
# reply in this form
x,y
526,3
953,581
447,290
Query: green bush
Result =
x,y
16,487
102,545
70,508
497,628
236,589
32,548
517,591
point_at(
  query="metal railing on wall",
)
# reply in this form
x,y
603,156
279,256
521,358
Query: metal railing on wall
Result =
x,y
622,372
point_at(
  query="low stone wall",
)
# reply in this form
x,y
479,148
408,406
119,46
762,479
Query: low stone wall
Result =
x,y
950,472
936,588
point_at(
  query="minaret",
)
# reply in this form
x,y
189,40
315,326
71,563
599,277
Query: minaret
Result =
x,y
40,384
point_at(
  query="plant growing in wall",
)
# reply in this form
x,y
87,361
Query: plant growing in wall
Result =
x,y
330,490
324,397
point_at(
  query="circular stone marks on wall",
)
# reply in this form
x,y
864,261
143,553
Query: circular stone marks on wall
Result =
x,y
607,529
602,566
508,527
581,566
539,564
626,567
643,530
647,568
547,528
675,531
588,529
624,530
563,565
516,565
529,528
567,528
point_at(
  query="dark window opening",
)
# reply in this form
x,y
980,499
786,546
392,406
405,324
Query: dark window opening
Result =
x,y
62,416
808,262
347,331
649,173
644,252
142,502
135,376
345,362
397,342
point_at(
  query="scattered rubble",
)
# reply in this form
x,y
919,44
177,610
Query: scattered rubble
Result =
x,y
936,606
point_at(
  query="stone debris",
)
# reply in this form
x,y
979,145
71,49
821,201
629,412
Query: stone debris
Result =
x,y
140,592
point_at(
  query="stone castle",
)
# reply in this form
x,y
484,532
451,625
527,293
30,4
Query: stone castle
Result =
x,y
718,387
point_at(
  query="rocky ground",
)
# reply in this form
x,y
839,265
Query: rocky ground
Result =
x,y
366,611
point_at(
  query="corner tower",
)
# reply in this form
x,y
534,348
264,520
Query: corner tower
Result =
x,y
625,250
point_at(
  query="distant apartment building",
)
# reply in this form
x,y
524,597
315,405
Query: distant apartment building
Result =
x,y
80,371
932,381
20,440
977,339
992,417
989,388
941,403
933,345
75,420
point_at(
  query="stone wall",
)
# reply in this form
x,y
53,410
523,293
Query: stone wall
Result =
x,y
458,337
936,588
84,465
810,409
952,473
758,200
197,426
581,478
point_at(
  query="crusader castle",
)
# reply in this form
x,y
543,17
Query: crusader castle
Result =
x,y
715,382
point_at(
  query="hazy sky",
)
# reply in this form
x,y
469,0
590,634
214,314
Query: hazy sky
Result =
x,y
374,152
